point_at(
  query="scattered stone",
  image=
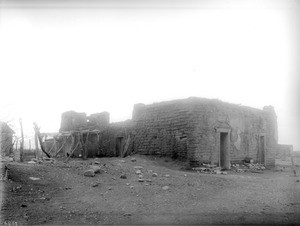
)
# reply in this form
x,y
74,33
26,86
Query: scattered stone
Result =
x,y
165,188
133,160
141,180
122,161
150,171
224,173
126,214
138,167
185,175
89,173
154,175
95,185
96,169
148,180
34,178
23,205
147,184
109,188
123,176
131,187
67,188
97,163
31,162
138,172
141,176
218,172
256,171
167,175
127,184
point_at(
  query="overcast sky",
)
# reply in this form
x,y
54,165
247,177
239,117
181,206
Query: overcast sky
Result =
x,y
95,56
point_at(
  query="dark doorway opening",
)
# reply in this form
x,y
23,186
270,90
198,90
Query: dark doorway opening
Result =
x,y
119,146
262,150
224,151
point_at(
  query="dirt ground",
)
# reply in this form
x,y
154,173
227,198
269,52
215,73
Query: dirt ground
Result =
x,y
64,196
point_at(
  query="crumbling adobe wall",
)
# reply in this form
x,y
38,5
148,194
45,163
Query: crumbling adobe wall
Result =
x,y
98,120
188,129
71,120
6,144
108,138
6,138
246,125
74,121
163,128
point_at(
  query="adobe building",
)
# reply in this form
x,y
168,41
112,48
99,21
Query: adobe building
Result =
x,y
6,139
206,131
196,130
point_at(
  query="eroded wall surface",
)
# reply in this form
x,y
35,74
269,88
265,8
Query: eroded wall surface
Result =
x,y
188,129
163,128
246,126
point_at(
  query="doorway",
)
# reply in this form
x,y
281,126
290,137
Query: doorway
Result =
x,y
224,150
262,150
119,146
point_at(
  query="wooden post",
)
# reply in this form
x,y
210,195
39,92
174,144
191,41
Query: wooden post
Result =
x,y
36,150
37,131
293,166
17,144
22,141
83,149
55,148
83,144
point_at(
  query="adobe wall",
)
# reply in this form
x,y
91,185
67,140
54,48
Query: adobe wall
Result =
x,y
6,138
71,120
163,128
98,120
6,147
246,125
102,144
74,121
187,129
109,138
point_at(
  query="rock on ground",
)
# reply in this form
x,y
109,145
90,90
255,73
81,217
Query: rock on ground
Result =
x,y
89,173
96,169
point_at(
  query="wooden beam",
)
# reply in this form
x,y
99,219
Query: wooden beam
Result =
x,y
60,148
72,151
126,146
22,141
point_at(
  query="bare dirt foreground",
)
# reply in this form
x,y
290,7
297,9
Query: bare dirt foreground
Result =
x,y
64,196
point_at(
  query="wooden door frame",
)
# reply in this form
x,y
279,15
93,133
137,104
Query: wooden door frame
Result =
x,y
264,148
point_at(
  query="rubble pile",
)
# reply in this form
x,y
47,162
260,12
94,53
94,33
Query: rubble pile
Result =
x,y
240,168
247,167
209,169
41,160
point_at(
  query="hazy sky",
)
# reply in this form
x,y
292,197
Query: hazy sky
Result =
x,y
95,56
